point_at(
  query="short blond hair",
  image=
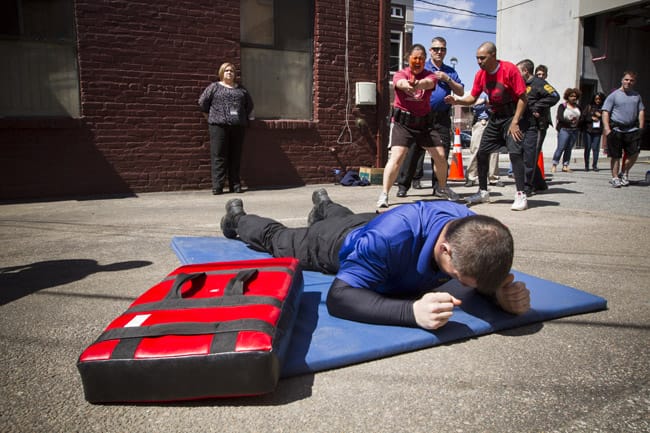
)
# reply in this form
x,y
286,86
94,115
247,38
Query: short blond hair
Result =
x,y
223,67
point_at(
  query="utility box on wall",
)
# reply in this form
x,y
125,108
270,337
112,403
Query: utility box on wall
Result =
x,y
366,93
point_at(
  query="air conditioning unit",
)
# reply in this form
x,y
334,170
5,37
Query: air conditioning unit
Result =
x,y
366,93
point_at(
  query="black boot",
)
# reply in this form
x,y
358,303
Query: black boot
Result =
x,y
234,211
318,197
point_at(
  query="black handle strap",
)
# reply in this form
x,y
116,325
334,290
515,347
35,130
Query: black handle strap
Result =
x,y
175,291
236,285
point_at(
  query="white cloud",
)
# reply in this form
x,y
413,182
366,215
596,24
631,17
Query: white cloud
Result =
x,y
450,17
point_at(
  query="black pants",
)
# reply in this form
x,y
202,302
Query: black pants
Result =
x,y
226,144
413,165
316,247
532,144
494,137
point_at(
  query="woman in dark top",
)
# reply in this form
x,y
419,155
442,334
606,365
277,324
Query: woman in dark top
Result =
x,y
591,116
227,106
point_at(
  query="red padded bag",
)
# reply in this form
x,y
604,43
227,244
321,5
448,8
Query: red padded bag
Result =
x,y
206,330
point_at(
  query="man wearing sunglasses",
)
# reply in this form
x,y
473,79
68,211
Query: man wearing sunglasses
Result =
x,y
412,169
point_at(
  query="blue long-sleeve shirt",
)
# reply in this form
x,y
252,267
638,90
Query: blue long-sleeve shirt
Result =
x,y
393,253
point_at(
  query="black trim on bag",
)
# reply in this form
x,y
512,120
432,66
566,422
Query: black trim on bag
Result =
x,y
187,328
185,304
225,341
126,348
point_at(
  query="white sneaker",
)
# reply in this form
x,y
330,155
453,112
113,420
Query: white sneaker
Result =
x,y
521,202
480,197
624,180
383,200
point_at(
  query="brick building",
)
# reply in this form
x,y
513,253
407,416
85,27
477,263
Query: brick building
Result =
x,y
100,97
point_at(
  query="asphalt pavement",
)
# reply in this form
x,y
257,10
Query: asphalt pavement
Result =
x,y
70,266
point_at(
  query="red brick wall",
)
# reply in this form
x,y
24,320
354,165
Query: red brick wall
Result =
x,y
142,67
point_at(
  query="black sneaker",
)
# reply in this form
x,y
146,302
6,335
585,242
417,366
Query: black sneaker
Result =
x,y
416,184
234,211
318,197
401,192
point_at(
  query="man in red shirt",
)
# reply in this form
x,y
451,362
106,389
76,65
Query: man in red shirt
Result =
x,y
506,90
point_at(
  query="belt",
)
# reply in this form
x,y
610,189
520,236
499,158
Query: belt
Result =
x,y
622,125
410,120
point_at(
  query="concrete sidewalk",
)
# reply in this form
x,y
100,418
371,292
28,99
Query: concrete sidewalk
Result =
x,y
70,266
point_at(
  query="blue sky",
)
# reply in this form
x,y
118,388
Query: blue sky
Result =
x,y
461,44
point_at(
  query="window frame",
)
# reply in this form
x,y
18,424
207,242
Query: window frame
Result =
x,y
400,56
275,49
55,69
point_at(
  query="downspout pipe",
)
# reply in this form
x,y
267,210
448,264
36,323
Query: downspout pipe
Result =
x,y
382,74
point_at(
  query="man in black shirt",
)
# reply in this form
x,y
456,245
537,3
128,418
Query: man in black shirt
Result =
x,y
541,97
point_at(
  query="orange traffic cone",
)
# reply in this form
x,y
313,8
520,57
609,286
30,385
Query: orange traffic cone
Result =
x,y
540,164
456,169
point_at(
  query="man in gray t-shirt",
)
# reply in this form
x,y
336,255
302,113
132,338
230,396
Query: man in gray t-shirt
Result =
x,y
623,122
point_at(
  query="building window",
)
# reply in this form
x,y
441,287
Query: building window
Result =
x,y
276,57
589,34
38,72
396,50
396,12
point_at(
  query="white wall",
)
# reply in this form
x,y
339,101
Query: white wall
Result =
x,y
546,32
550,32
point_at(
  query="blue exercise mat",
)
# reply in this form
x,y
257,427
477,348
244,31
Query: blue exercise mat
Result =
x,y
321,342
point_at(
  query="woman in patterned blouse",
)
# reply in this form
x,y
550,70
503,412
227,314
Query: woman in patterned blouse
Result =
x,y
227,106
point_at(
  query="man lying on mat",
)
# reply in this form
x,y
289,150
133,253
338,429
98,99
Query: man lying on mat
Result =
x,y
388,265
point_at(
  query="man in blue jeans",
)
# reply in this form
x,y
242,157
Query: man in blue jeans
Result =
x,y
388,265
